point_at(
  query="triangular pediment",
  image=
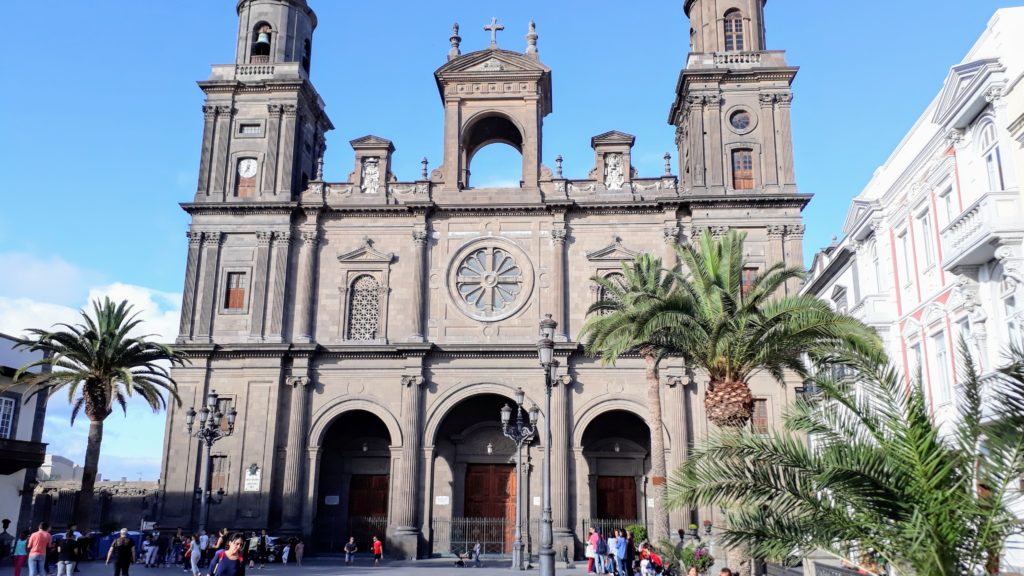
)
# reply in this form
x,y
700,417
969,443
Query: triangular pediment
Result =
x,y
963,84
612,137
614,251
491,61
371,141
859,210
366,253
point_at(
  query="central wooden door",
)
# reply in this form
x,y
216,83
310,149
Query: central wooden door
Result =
x,y
490,494
616,497
367,507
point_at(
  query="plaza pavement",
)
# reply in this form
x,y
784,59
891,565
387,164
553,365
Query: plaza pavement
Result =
x,y
334,566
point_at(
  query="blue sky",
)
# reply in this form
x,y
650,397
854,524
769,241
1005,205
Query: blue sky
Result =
x,y
101,121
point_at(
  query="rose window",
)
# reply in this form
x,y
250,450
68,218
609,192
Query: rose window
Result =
x,y
489,280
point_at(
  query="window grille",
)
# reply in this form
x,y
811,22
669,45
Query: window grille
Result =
x,y
364,309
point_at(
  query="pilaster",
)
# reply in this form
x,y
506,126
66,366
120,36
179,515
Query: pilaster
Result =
x,y
297,429
208,290
770,165
775,251
676,420
304,280
783,128
209,128
279,281
259,285
794,249
713,122
195,242
561,436
558,235
420,237
273,142
222,143
286,154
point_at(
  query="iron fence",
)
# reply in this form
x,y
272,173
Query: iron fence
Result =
x,y
364,528
606,525
459,535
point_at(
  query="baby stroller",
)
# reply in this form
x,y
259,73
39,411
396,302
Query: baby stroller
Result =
x,y
460,562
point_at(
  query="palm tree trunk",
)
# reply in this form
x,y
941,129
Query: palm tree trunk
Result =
x,y
83,509
658,471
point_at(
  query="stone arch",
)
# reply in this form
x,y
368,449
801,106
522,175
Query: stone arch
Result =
x,y
449,400
485,128
589,412
323,419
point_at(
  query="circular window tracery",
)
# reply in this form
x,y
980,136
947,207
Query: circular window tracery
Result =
x,y
490,281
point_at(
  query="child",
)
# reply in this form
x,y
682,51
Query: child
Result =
x,y
284,553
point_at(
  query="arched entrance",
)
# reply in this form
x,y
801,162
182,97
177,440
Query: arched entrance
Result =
x,y
474,479
353,482
616,449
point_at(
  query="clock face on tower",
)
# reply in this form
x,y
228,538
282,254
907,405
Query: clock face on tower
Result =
x,y
247,168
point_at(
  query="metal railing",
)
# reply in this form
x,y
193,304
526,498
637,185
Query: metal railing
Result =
x,y
833,570
459,535
364,528
606,525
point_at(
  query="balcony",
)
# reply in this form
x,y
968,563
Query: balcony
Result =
x,y
972,238
18,455
737,60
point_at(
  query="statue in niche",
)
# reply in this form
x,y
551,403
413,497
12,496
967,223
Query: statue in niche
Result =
x,y
613,178
371,175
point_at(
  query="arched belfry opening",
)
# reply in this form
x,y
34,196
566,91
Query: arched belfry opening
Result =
x,y
493,96
496,133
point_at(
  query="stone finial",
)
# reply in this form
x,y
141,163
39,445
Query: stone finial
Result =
x,y
319,168
558,166
423,171
494,28
668,164
531,40
455,39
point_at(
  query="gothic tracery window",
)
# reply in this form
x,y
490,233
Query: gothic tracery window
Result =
x,y
364,309
733,31
603,294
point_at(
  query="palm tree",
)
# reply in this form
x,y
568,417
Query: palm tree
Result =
x,y
878,473
98,363
612,330
733,327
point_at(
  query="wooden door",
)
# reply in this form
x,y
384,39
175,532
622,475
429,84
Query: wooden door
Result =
x,y
616,497
367,507
490,493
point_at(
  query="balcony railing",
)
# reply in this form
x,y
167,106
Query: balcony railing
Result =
x,y
971,238
732,58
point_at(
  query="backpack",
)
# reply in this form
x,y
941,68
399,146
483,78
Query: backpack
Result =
x,y
602,546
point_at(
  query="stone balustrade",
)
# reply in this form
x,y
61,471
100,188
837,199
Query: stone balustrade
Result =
x,y
970,238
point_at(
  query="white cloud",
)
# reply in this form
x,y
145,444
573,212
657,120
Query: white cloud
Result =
x,y
48,279
132,444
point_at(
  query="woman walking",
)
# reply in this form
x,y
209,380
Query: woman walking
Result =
x,y
195,554
299,549
67,554
230,561
123,552
20,552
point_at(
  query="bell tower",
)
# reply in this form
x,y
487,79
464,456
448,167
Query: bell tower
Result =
x,y
732,105
264,123
493,95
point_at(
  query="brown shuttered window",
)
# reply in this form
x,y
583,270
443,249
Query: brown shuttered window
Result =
x,y
743,169
759,421
234,299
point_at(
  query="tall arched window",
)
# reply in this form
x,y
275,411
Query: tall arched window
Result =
x,y
989,147
364,309
260,53
733,31
603,294
306,54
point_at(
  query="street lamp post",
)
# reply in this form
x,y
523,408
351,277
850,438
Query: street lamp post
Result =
x,y
545,352
209,431
521,433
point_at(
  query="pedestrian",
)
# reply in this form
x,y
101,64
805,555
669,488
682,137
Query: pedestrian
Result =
x,y
612,543
20,552
601,550
630,552
37,547
195,554
219,546
591,551
476,555
285,552
67,552
350,550
149,551
299,549
378,551
261,547
204,546
725,571
79,543
122,550
229,561
620,552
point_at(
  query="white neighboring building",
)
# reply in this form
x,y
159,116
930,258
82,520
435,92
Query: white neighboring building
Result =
x,y
21,432
932,247
57,468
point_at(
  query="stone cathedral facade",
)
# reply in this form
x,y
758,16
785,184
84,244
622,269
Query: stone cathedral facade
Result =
x,y
369,330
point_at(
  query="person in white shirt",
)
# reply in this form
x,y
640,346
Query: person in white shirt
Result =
x,y
204,545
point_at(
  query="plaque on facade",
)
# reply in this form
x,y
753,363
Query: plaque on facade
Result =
x,y
253,475
442,500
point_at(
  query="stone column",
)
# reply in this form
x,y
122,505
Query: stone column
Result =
x,y
222,140
287,152
670,234
419,239
301,331
309,499
558,235
783,102
259,285
713,122
794,253
209,115
676,416
279,278
403,517
208,293
769,163
188,300
296,451
561,437
775,252
273,138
